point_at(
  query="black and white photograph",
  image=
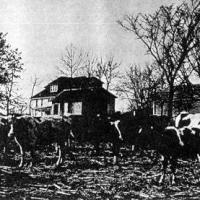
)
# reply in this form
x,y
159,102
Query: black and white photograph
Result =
x,y
99,99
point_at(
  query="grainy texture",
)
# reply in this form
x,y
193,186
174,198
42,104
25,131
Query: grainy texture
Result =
x,y
90,177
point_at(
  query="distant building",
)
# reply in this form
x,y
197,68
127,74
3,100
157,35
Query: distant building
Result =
x,y
186,97
77,96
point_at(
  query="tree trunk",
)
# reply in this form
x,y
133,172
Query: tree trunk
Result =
x,y
7,107
170,101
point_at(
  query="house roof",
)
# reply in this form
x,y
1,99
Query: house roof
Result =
x,y
43,93
77,82
46,108
73,94
63,83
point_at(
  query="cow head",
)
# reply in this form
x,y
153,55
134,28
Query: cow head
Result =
x,y
116,125
15,123
11,120
179,118
178,133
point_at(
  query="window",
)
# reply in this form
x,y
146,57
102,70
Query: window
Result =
x,y
110,108
55,109
75,107
53,88
65,108
70,108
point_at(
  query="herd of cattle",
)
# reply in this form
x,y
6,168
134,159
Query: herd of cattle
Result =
x,y
173,139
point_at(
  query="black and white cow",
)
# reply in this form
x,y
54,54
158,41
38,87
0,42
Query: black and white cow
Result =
x,y
136,130
179,141
30,133
190,121
176,144
101,129
185,119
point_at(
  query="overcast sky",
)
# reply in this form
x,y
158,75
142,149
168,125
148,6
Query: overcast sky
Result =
x,y
41,29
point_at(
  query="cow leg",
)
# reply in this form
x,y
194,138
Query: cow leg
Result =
x,y
63,152
33,158
104,147
173,162
21,153
115,160
56,147
59,161
165,163
116,149
69,142
198,157
5,153
96,147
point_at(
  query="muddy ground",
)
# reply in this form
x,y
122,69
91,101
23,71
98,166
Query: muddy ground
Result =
x,y
86,176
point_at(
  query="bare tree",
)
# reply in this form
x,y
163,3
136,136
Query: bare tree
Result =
x,y
169,36
141,85
76,62
35,83
100,68
90,65
194,59
72,61
107,70
20,105
110,71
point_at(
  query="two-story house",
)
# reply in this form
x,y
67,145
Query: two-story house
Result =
x,y
186,97
77,96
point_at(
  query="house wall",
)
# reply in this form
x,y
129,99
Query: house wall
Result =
x,y
98,105
88,106
56,109
111,106
159,110
196,107
72,107
39,103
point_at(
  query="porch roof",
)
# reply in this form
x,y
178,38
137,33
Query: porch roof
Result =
x,y
66,95
46,108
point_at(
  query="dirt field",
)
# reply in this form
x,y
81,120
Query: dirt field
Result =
x,y
90,177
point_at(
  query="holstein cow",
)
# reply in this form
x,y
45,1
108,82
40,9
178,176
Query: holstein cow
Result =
x,y
136,130
179,141
150,127
129,127
175,144
106,129
190,121
100,129
30,133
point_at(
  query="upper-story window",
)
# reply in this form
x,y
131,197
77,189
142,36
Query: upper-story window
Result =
x,y
53,88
